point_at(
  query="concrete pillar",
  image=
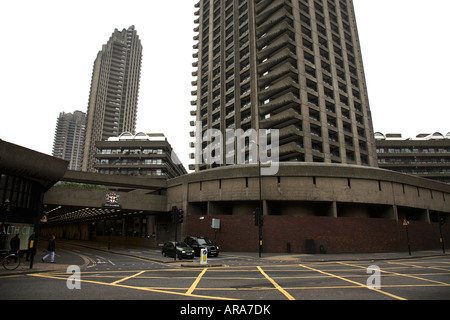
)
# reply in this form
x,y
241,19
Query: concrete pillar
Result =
x,y
395,212
334,209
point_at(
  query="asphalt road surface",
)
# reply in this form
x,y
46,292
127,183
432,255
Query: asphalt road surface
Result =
x,y
101,275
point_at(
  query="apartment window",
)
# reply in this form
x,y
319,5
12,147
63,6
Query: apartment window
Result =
x,y
310,71
229,98
316,146
229,31
314,115
314,100
243,9
243,30
307,32
309,57
333,136
316,131
331,121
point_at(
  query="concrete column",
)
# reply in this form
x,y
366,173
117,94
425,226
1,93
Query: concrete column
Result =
x,y
266,209
427,216
395,212
334,209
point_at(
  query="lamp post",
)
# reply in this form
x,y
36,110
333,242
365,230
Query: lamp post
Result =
x,y
261,213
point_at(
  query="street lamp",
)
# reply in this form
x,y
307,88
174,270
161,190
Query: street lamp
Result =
x,y
259,213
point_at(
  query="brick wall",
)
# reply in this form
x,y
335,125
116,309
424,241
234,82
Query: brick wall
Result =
x,y
238,233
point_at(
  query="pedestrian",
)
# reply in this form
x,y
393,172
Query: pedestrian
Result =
x,y
15,244
51,250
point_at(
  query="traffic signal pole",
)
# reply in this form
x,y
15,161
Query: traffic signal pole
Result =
x,y
176,232
177,218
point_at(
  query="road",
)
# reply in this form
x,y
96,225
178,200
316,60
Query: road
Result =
x,y
108,276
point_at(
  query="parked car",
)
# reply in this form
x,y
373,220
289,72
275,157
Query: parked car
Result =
x,y
181,250
202,242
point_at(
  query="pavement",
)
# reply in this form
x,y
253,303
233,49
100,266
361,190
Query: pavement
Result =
x,y
154,255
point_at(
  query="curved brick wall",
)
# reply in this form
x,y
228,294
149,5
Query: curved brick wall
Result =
x,y
336,235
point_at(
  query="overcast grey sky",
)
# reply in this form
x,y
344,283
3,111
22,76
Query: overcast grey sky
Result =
x,y
49,46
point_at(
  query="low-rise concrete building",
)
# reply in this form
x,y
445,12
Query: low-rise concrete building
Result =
x,y
137,155
339,208
426,155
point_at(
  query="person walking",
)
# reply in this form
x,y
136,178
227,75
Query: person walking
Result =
x,y
51,250
15,244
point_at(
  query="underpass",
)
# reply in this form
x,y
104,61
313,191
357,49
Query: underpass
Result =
x,y
88,206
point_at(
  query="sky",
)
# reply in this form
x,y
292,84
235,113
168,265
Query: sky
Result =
x,y
48,48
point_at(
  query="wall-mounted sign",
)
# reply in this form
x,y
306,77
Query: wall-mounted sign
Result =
x,y
112,200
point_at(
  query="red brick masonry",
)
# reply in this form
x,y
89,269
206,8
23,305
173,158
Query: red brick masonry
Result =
x,y
336,235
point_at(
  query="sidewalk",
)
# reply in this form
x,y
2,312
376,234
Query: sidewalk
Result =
x,y
341,256
154,255
38,267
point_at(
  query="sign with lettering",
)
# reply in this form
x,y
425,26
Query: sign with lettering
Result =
x,y
10,229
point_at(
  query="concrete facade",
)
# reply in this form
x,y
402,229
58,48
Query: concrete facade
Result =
x,y
295,66
138,155
426,155
113,99
343,208
69,138
306,206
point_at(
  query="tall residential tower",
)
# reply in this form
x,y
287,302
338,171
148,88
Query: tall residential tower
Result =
x,y
69,138
292,65
113,99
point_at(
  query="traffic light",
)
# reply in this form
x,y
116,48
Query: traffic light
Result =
x,y
177,215
180,216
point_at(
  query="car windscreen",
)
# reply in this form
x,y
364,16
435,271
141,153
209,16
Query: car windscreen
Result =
x,y
182,244
202,241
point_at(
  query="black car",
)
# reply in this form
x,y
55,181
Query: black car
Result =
x,y
181,250
197,243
